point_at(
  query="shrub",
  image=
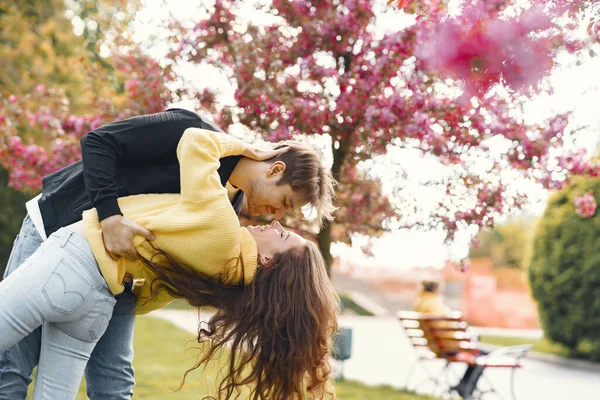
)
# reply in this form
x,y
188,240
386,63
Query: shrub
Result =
x,y
565,271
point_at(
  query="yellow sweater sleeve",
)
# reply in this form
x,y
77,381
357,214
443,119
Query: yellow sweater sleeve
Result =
x,y
198,152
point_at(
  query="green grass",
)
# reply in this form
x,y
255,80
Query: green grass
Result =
x,y
350,390
351,305
179,305
542,345
161,360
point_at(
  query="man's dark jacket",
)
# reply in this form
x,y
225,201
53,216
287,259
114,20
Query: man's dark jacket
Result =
x,y
134,156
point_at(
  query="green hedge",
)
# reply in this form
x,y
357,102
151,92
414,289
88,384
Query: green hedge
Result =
x,y
565,271
12,211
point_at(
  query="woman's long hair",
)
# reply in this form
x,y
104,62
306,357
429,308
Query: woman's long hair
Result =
x,y
279,327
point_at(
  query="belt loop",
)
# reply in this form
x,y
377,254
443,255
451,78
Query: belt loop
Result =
x,y
65,235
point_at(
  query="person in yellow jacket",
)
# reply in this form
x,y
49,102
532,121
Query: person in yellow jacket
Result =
x,y
275,306
429,300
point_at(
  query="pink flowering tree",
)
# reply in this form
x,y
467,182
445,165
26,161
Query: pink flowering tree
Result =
x,y
27,158
321,68
491,42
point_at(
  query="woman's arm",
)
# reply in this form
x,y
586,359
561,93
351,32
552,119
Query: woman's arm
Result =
x,y
198,152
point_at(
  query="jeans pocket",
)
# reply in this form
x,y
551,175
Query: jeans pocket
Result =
x,y
101,324
66,290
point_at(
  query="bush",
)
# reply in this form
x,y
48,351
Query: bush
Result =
x,y
506,245
12,211
565,271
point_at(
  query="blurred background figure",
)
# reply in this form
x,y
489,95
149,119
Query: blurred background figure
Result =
x,y
429,300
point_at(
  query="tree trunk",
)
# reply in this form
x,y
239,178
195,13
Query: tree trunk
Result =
x,y
339,155
324,236
324,240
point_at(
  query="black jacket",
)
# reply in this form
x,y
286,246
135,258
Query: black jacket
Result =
x,y
134,156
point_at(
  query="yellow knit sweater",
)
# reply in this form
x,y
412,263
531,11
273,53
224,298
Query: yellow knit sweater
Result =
x,y
198,227
431,303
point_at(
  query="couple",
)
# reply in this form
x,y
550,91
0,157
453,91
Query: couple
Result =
x,y
69,306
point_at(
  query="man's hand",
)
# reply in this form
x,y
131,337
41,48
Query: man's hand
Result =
x,y
261,154
118,233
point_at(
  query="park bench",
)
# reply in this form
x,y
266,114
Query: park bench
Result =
x,y
448,338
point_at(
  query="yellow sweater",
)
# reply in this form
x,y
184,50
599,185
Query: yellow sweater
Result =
x,y
198,227
431,303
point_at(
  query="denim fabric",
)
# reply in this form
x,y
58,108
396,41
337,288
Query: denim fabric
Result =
x,y
18,362
61,289
109,373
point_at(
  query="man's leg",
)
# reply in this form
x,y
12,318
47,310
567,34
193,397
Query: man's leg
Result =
x,y
109,373
468,383
17,363
473,379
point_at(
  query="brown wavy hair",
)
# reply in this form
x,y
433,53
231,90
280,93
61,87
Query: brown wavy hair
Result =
x,y
279,328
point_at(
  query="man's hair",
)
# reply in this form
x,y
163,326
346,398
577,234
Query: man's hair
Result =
x,y
430,286
308,178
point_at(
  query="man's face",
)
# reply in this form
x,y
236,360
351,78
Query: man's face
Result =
x,y
266,197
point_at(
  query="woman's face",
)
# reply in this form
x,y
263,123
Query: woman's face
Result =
x,y
272,239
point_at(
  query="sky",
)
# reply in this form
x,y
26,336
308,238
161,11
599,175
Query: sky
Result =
x,y
576,88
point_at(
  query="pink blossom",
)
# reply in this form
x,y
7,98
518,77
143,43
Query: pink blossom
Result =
x,y
585,205
482,49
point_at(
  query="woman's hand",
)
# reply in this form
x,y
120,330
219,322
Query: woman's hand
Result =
x,y
261,154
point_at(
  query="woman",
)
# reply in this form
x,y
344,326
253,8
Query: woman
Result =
x,y
275,305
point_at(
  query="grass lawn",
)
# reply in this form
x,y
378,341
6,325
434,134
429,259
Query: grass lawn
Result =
x,y
542,345
349,304
161,360
159,367
350,390
179,305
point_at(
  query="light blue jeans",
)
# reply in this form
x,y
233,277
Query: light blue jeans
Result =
x,y
109,373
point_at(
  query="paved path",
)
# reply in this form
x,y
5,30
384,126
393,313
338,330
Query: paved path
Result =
x,y
367,296
381,354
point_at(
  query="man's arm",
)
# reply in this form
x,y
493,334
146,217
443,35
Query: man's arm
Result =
x,y
143,139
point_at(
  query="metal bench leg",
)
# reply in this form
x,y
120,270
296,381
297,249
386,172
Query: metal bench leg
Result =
x,y
433,377
512,383
411,372
479,393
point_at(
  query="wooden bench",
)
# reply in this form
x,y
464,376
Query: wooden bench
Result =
x,y
448,338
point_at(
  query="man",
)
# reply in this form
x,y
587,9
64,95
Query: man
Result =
x,y
135,156
430,302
